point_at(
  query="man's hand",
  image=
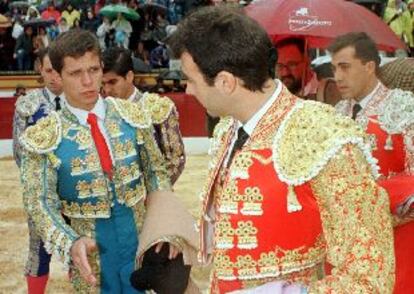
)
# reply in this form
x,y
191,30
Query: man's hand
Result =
x,y
79,253
174,251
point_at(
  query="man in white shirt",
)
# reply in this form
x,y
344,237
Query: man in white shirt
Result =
x,y
118,81
387,117
282,209
29,109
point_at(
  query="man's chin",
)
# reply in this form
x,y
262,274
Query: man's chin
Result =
x,y
288,83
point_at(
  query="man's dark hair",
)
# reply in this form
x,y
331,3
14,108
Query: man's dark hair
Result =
x,y
73,43
42,53
365,48
298,42
220,38
117,60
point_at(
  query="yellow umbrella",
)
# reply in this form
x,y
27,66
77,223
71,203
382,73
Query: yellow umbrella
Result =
x,y
4,22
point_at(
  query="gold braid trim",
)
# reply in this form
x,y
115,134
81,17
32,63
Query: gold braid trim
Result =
x,y
45,136
222,128
130,112
28,104
159,108
309,137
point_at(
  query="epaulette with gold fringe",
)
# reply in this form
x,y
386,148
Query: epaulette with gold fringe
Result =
x,y
45,136
131,112
158,107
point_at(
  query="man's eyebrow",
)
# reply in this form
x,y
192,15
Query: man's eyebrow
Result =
x,y
344,63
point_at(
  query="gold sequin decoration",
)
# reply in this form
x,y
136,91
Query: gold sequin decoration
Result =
x,y
86,210
224,233
158,107
44,136
308,136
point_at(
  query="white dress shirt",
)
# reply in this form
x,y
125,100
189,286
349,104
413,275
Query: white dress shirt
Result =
x,y
134,94
364,101
100,111
251,124
51,97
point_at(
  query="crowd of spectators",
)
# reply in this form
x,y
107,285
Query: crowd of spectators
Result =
x,y
35,23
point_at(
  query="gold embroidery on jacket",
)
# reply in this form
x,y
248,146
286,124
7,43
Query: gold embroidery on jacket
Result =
x,y
86,210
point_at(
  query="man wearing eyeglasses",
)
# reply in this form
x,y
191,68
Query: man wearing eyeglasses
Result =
x,y
293,68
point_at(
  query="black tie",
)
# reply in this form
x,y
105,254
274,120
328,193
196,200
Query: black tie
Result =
x,y
355,109
57,103
242,137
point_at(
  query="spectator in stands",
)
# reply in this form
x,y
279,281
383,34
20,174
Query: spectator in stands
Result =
x,y
76,24
142,53
63,26
4,6
293,68
17,28
175,11
123,30
20,91
399,19
159,56
137,25
42,38
53,31
32,13
51,12
6,49
70,14
159,32
91,23
24,49
102,32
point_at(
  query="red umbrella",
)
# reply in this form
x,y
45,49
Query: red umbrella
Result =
x,y
320,21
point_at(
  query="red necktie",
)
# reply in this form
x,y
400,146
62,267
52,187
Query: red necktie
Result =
x,y
101,146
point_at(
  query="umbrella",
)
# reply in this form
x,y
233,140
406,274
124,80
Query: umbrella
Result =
x,y
320,21
39,22
112,11
370,1
150,5
4,21
19,4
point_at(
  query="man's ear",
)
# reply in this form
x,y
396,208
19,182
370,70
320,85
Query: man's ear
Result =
x,y
226,82
130,77
371,67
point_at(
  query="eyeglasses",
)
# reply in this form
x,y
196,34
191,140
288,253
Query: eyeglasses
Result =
x,y
291,66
